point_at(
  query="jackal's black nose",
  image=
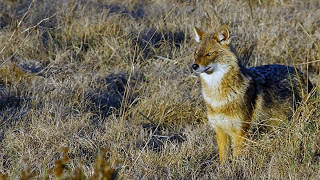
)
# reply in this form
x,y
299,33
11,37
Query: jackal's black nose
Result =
x,y
195,66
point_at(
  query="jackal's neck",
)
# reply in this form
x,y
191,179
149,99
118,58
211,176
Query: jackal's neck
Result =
x,y
224,81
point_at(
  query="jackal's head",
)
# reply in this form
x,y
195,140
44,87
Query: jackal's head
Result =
x,y
213,50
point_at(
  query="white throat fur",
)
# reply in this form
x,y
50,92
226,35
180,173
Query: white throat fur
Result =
x,y
214,79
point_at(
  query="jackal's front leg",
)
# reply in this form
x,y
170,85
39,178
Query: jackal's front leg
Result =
x,y
223,140
238,139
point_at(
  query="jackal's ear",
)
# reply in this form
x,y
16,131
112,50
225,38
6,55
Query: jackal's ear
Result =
x,y
198,33
223,35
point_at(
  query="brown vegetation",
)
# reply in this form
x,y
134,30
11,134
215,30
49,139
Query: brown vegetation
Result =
x,y
93,75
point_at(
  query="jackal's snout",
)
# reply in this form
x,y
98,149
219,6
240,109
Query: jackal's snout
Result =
x,y
202,69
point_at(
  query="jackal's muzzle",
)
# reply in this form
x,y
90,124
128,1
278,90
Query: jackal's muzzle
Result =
x,y
200,69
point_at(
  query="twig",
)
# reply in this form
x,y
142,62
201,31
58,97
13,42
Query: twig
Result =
x,y
270,166
154,33
152,122
318,60
166,59
294,66
25,14
135,162
6,60
23,41
14,32
305,31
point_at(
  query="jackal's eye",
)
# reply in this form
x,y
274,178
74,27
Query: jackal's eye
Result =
x,y
209,54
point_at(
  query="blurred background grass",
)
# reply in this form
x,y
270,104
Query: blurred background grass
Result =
x,y
92,75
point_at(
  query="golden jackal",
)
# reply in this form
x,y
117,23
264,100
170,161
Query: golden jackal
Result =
x,y
236,96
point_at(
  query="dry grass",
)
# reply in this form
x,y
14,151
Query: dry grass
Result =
x,y
114,75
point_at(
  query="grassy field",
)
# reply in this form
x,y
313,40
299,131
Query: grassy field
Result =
x,y
83,78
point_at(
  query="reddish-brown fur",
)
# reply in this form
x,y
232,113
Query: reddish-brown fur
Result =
x,y
236,96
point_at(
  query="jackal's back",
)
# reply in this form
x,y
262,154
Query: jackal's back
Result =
x,y
279,88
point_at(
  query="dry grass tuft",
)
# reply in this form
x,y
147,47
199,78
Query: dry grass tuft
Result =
x,y
92,75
